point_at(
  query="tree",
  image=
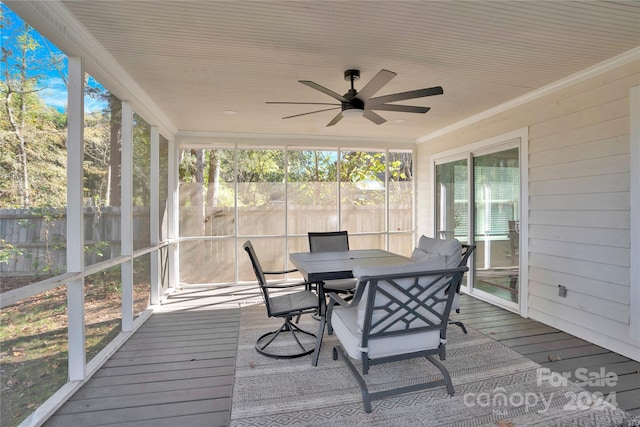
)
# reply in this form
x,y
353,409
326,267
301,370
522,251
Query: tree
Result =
x,y
33,134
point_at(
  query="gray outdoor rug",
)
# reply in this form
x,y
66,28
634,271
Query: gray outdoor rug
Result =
x,y
494,386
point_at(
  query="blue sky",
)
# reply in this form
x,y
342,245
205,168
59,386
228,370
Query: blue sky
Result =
x,y
53,89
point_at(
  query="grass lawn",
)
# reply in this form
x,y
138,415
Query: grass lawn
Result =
x,y
33,341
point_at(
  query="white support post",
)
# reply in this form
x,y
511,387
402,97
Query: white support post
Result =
x,y
172,216
154,216
75,216
126,228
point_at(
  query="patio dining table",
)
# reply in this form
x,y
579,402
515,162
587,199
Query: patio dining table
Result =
x,y
317,267
320,266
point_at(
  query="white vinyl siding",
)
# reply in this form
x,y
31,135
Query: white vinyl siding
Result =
x,y
579,203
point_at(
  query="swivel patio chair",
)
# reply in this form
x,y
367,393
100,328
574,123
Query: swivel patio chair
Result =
x,y
285,306
332,241
397,313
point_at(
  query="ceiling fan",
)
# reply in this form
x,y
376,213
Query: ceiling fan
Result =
x,y
354,103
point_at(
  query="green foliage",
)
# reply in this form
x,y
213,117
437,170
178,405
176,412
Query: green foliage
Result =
x,y
53,242
33,152
141,161
313,166
8,252
359,166
260,174
32,155
260,165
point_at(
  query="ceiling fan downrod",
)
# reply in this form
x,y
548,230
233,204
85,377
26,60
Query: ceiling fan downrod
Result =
x,y
354,103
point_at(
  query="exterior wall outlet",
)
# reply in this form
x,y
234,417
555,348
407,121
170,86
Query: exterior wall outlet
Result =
x,y
562,291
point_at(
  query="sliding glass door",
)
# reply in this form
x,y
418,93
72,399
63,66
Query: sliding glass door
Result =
x,y
496,183
478,202
452,202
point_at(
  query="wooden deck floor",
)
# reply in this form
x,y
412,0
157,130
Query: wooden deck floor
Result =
x,y
556,350
177,369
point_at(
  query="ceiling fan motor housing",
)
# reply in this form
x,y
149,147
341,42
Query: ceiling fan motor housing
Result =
x,y
354,102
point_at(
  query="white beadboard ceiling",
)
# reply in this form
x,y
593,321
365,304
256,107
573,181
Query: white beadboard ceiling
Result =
x,y
196,59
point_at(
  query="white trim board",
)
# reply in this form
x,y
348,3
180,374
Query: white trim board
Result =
x,y
191,138
634,232
475,147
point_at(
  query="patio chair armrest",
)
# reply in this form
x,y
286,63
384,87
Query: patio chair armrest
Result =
x,y
334,298
293,270
286,285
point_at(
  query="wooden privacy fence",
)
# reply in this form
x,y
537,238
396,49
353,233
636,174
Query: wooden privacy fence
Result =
x,y
33,241
270,220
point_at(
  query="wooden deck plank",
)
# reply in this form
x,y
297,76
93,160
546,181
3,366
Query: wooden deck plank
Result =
x,y
596,361
629,400
534,339
215,408
135,388
533,330
566,353
187,342
488,324
171,338
180,332
479,312
568,343
216,419
201,347
510,327
144,399
621,383
160,367
103,381
487,316
229,352
185,325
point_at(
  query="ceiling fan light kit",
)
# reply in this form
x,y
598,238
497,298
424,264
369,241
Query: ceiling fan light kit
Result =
x,y
353,112
354,103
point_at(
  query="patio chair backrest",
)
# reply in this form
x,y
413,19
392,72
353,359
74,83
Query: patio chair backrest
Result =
x,y
257,269
329,241
404,301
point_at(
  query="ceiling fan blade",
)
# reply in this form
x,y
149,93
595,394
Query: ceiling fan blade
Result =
x,y
375,118
375,84
401,108
324,90
335,120
310,112
301,103
405,95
